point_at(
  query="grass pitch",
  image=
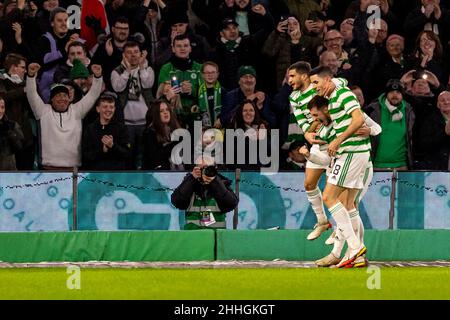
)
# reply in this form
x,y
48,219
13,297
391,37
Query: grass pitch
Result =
x,y
212,284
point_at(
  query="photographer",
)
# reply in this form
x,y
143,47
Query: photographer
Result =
x,y
206,196
11,140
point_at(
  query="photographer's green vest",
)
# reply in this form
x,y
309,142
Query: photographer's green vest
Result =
x,y
201,212
123,95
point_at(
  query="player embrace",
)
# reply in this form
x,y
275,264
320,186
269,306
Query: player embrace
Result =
x,y
351,153
318,107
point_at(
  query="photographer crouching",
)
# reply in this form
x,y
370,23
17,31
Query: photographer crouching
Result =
x,y
206,197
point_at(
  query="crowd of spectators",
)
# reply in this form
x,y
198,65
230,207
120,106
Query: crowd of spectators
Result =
x,y
103,88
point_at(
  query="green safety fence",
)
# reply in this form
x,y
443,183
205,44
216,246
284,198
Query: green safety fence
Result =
x,y
81,246
385,245
212,245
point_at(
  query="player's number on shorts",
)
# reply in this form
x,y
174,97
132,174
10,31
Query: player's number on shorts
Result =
x,y
336,169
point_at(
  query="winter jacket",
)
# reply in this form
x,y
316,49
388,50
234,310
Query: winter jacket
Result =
x,y
108,63
200,48
373,110
156,155
11,141
279,46
219,189
233,98
93,156
17,106
431,143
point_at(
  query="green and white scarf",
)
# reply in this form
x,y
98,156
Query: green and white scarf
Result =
x,y
203,100
395,111
231,45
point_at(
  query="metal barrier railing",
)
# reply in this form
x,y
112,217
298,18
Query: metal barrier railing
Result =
x,y
76,176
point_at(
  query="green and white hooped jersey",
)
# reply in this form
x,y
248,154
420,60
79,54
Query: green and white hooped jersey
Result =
x,y
342,103
299,103
295,133
327,134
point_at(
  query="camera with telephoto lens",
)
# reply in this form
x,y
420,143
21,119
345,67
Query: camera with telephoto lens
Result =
x,y
209,171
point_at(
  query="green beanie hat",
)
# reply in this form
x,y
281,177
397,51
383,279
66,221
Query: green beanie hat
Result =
x,y
78,70
244,70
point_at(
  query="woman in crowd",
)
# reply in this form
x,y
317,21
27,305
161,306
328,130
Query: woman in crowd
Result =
x,y
428,55
157,144
248,119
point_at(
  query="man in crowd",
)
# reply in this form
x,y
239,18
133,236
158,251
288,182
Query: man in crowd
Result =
x,y
246,90
393,147
133,81
60,121
105,142
109,54
12,87
181,76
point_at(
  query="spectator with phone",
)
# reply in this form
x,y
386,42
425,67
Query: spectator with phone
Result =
x,y
133,81
179,81
286,44
429,54
346,29
302,9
